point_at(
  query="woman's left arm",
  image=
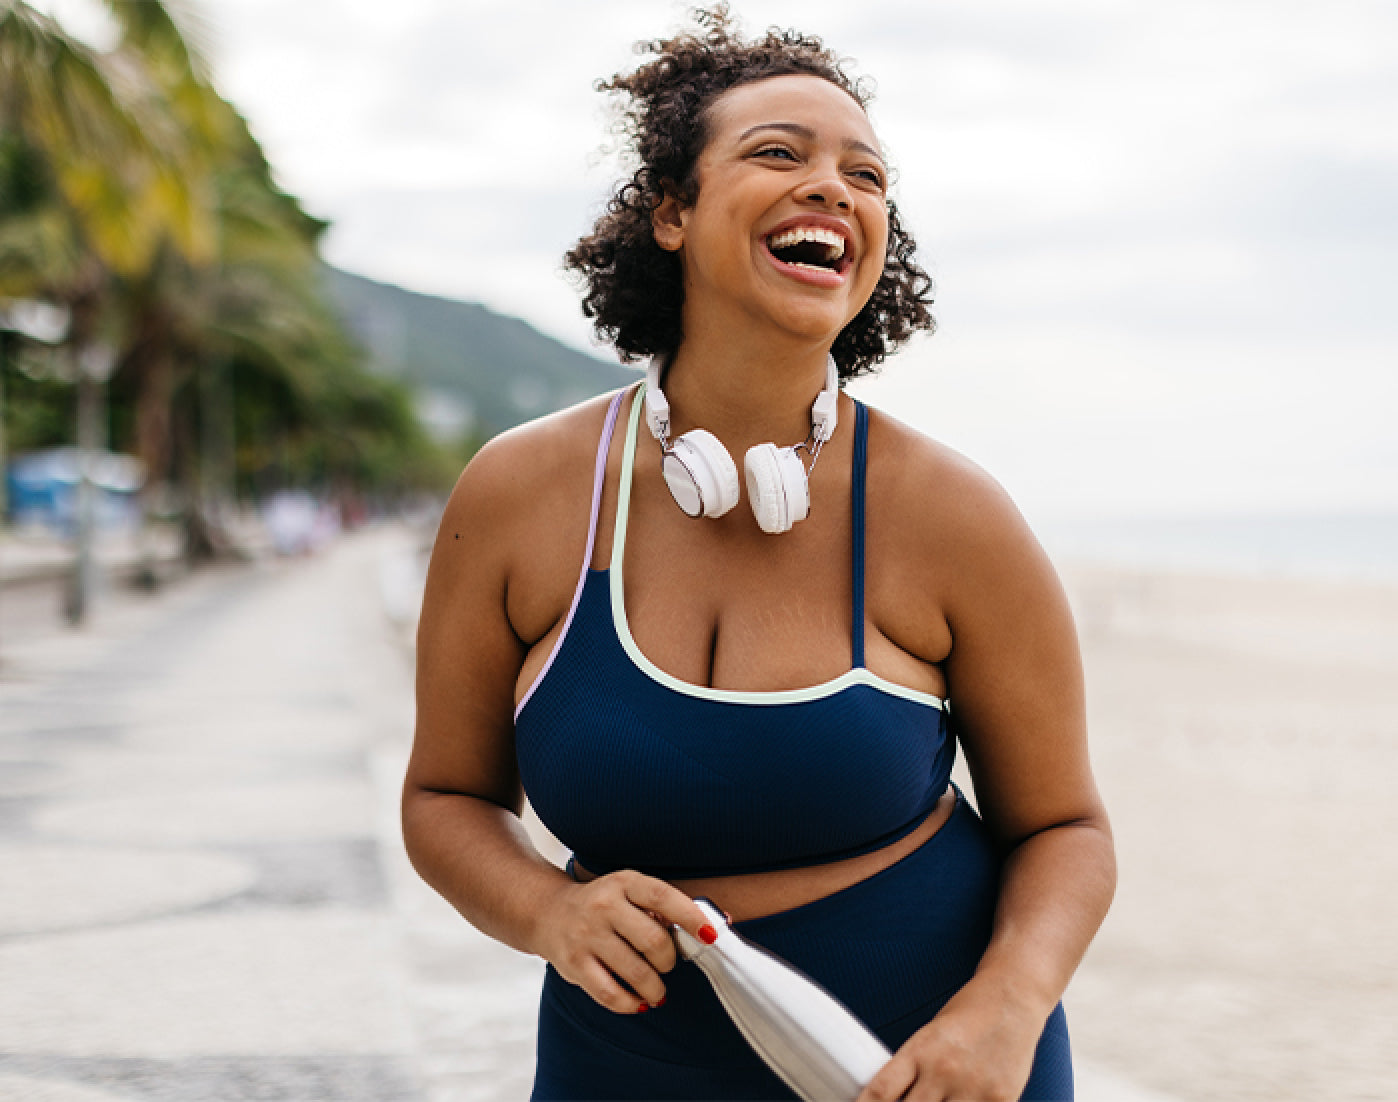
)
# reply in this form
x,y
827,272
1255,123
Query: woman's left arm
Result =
x,y
1014,675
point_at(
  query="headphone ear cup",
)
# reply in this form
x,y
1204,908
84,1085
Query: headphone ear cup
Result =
x,y
777,489
702,476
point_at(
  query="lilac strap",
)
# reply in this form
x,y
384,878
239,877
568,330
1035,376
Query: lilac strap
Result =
x,y
599,476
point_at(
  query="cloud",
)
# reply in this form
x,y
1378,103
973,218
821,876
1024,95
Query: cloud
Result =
x,y
1149,224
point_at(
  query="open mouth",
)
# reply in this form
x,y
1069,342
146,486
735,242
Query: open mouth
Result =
x,y
811,247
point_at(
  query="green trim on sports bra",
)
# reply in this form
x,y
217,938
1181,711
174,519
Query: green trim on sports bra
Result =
x,y
858,676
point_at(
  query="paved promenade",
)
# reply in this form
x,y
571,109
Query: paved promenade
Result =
x,y
203,893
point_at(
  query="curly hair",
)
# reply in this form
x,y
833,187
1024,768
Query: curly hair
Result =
x,y
634,289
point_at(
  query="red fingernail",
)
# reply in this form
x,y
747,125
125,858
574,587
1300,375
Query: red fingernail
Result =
x,y
642,1008
707,934
660,1003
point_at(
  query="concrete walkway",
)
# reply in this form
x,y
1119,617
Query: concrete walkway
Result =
x,y
203,892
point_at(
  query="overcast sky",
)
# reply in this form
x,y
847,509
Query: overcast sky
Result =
x,y
1165,236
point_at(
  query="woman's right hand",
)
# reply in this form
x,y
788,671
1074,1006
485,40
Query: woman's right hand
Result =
x,y
617,928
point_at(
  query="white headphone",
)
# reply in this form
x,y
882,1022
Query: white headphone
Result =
x,y
703,479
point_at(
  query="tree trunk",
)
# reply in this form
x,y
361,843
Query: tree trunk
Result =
x,y
154,367
202,542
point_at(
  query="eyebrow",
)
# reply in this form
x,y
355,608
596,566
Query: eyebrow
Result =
x,y
809,134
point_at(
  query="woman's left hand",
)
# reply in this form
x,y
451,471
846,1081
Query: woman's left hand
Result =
x,y
980,1046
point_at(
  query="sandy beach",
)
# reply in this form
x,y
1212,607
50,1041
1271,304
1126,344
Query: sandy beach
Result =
x,y
1245,735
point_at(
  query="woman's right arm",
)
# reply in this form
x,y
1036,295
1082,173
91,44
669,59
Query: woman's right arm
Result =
x,y
462,794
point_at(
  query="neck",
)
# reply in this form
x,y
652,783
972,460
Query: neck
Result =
x,y
744,396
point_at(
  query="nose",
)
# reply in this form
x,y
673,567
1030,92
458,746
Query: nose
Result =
x,y
829,195
827,189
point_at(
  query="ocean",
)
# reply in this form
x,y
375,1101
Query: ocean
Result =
x,y
1331,546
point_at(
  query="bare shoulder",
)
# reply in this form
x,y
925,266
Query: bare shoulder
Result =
x,y
516,522
514,475
950,531
908,461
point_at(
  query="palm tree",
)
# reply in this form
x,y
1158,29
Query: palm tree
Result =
x,y
254,298
112,172
114,181
150,211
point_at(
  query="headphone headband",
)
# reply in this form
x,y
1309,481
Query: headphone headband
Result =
x,y
824,413
657,408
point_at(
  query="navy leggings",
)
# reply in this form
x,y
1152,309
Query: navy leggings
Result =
x,y
893,948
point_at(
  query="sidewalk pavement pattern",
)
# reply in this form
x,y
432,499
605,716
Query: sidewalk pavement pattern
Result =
x,y
203,892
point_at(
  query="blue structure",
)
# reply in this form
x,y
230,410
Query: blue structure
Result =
x,y
42,489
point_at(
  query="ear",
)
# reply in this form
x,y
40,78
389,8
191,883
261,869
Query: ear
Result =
x,y
667,220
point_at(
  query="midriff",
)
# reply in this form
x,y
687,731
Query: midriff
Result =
x,y
756,894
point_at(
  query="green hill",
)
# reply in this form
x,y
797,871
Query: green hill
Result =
x,y
473,369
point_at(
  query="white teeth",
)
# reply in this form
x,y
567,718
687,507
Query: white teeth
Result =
x,y
833,242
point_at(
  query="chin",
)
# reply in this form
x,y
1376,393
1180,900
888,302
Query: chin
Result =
x,y
812,323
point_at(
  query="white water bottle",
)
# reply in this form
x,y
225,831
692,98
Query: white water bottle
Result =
x,y
803,1033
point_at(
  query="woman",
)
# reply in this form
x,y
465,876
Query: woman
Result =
x,y
752,717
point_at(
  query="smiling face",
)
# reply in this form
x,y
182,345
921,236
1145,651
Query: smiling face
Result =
x,y
790,225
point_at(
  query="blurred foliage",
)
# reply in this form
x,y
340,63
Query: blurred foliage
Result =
x,y
38,400
136,197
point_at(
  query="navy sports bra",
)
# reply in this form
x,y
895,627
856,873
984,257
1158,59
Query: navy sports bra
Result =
x,y
633,768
